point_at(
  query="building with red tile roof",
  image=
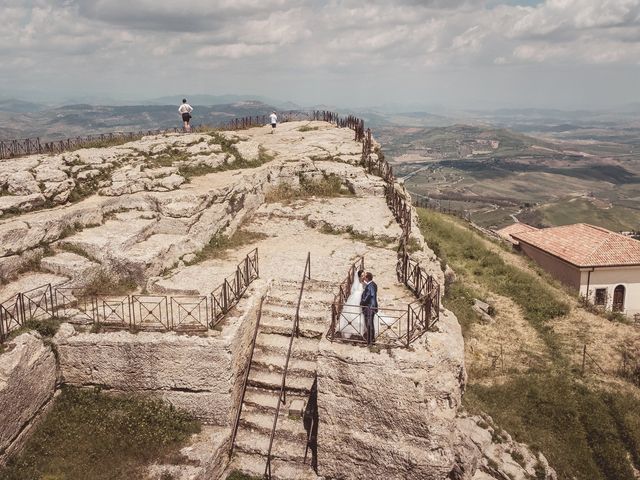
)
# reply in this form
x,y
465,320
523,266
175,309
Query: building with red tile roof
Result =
x,y
602,265
507,231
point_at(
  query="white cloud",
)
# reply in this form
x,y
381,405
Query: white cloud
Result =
x,y
289,39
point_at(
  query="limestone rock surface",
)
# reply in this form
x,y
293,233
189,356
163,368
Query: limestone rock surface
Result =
x,y
28,378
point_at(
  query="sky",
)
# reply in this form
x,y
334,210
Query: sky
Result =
x,y
566,54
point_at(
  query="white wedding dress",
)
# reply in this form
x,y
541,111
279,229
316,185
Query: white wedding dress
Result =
x,y
351,320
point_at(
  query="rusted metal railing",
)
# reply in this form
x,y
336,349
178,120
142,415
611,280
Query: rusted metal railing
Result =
x,y
245,377
227,295
343,294
423,314
282,397
139,312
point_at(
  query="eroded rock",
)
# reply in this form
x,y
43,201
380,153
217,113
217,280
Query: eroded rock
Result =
x,y
28,376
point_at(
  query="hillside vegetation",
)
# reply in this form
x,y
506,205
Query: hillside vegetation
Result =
x,y
524,368
92,436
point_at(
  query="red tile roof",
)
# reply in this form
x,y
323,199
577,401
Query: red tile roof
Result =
x,y
584,245
509,230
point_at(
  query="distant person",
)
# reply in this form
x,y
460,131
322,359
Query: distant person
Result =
x,y
274,121
185,110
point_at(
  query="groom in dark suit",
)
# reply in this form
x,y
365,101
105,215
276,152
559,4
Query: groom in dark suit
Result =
x,y
369,303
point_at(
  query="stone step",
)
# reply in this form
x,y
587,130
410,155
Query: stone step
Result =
x,y
319,314
284,326
308,303
309,296
275,363
304,348
254,464
263,378
267,400
289,426
283,449
77,267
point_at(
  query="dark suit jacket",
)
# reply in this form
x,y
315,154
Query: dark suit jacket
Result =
x,y
370,295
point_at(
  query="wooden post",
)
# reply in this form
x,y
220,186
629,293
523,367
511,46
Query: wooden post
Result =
x,y
584,357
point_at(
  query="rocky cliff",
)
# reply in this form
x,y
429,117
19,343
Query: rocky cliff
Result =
x,y
150,210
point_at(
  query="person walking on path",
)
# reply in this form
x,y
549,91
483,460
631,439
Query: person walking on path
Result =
x,y
185,110
274,121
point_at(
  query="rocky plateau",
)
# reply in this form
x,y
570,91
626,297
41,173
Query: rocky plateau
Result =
x,y
148,214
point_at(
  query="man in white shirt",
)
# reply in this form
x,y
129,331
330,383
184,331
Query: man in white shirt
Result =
x,y
274,120
185,110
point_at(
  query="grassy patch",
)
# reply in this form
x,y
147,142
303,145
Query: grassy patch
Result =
x,y
460,299
71,229
47,328
585,432
236,475
220,244
189,171
467,254
413,246
166,158
370,240
307,128
89,186
573,426
92,436
327,186
109,283
578,210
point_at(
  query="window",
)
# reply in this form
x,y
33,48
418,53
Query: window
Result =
x,y
618,298
601,296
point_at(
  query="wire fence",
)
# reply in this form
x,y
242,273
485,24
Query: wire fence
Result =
x,y
162,313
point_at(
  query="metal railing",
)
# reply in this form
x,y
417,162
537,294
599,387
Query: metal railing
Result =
x,y
392,327
245,377
282,397
139,311
227,295
30,146
343,294
423,314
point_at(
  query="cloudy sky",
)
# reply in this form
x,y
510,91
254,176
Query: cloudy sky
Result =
x,y
455,53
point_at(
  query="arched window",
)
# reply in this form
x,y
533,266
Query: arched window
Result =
x,y
618,298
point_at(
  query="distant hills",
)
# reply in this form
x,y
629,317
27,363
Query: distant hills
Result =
x,y
23,120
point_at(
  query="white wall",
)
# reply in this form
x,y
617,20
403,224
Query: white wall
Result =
x,y
609,278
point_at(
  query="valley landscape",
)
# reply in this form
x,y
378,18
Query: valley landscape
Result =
x,y
544,174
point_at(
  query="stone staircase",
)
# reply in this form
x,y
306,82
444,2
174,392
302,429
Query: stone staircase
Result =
x,y
265,380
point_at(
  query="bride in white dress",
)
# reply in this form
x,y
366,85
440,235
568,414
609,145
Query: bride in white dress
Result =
x,y
351,320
